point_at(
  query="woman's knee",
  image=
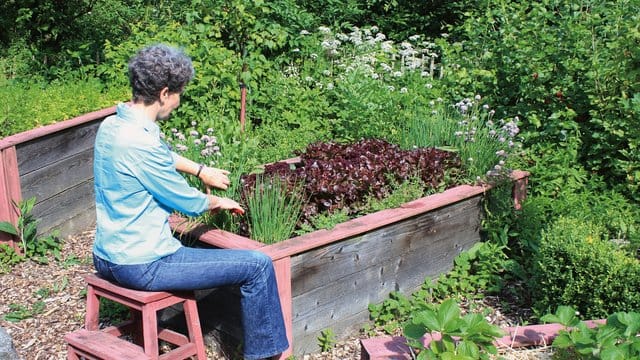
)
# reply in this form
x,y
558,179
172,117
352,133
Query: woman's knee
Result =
x,y
263,260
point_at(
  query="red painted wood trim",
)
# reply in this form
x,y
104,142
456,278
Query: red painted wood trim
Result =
x,y
300,244
282,268
218,238
28,135
9,191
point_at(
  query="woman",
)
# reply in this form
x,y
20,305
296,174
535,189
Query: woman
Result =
x,y
137,187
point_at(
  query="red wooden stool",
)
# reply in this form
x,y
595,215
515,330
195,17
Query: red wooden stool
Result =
x,y
143,324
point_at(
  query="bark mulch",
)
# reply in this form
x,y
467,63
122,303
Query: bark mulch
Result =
x,y
50,299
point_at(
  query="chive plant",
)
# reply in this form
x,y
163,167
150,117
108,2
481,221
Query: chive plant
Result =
x,y
273,210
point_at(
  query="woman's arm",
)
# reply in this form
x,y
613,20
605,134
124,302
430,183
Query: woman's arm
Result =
x,y
210,176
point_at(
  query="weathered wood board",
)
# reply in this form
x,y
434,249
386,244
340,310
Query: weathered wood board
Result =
x,y
57,170
332,286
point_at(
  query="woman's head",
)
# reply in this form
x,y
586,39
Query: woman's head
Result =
x,y
155,68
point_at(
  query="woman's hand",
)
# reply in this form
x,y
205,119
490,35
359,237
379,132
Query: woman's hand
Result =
x,y
217,203
213,177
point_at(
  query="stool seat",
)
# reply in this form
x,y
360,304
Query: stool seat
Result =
x,y
143,324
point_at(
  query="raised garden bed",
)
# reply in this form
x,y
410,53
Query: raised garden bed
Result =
x,y
54,164
328,278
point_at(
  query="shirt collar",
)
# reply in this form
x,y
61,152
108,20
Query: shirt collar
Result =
x,y
128,114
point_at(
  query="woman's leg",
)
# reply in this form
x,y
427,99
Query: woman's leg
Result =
x,y
192,269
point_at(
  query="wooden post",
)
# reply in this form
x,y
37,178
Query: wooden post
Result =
x,y
243,105
520,191
9,192
283,277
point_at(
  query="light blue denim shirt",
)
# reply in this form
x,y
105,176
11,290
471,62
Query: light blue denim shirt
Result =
x,y
137,187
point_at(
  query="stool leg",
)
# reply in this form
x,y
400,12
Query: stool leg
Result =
x,y
193,325
136,327
150,331
91,321
71,353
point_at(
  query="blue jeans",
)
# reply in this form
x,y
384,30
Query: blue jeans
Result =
x,y
196,269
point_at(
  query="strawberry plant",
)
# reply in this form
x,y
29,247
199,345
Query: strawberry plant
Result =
x,y
617,339
453,336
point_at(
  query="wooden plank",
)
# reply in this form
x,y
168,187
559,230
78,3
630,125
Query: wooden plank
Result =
x,y
330,263
47,130
50,149
307,342
282,269
67,206
377,265
103,345
406,273
373,284
9,191
57,177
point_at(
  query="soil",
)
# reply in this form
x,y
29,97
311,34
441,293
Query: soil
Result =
x,y
52,299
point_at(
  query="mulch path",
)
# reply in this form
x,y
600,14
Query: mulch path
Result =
x,y
51,297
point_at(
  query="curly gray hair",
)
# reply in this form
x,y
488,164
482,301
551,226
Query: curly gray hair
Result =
x,y
156,67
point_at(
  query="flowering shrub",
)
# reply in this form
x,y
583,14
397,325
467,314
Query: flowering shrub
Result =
x,y
364,85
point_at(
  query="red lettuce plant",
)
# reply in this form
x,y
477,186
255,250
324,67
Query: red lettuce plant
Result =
x,y
341,176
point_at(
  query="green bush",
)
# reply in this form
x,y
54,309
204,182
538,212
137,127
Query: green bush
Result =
x,y
62,35
577,265
562,67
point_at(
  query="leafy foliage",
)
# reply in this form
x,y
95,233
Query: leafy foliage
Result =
x,y
33,245
562,67
616,339
477,271
51,102
342,176
326,340
63,35
465,337
576,258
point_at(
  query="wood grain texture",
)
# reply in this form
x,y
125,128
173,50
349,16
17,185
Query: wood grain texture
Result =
x,y
49,150
57,169
54,178
70,211
332,286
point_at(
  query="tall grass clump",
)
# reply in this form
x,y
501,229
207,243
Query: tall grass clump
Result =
x,y
273,211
